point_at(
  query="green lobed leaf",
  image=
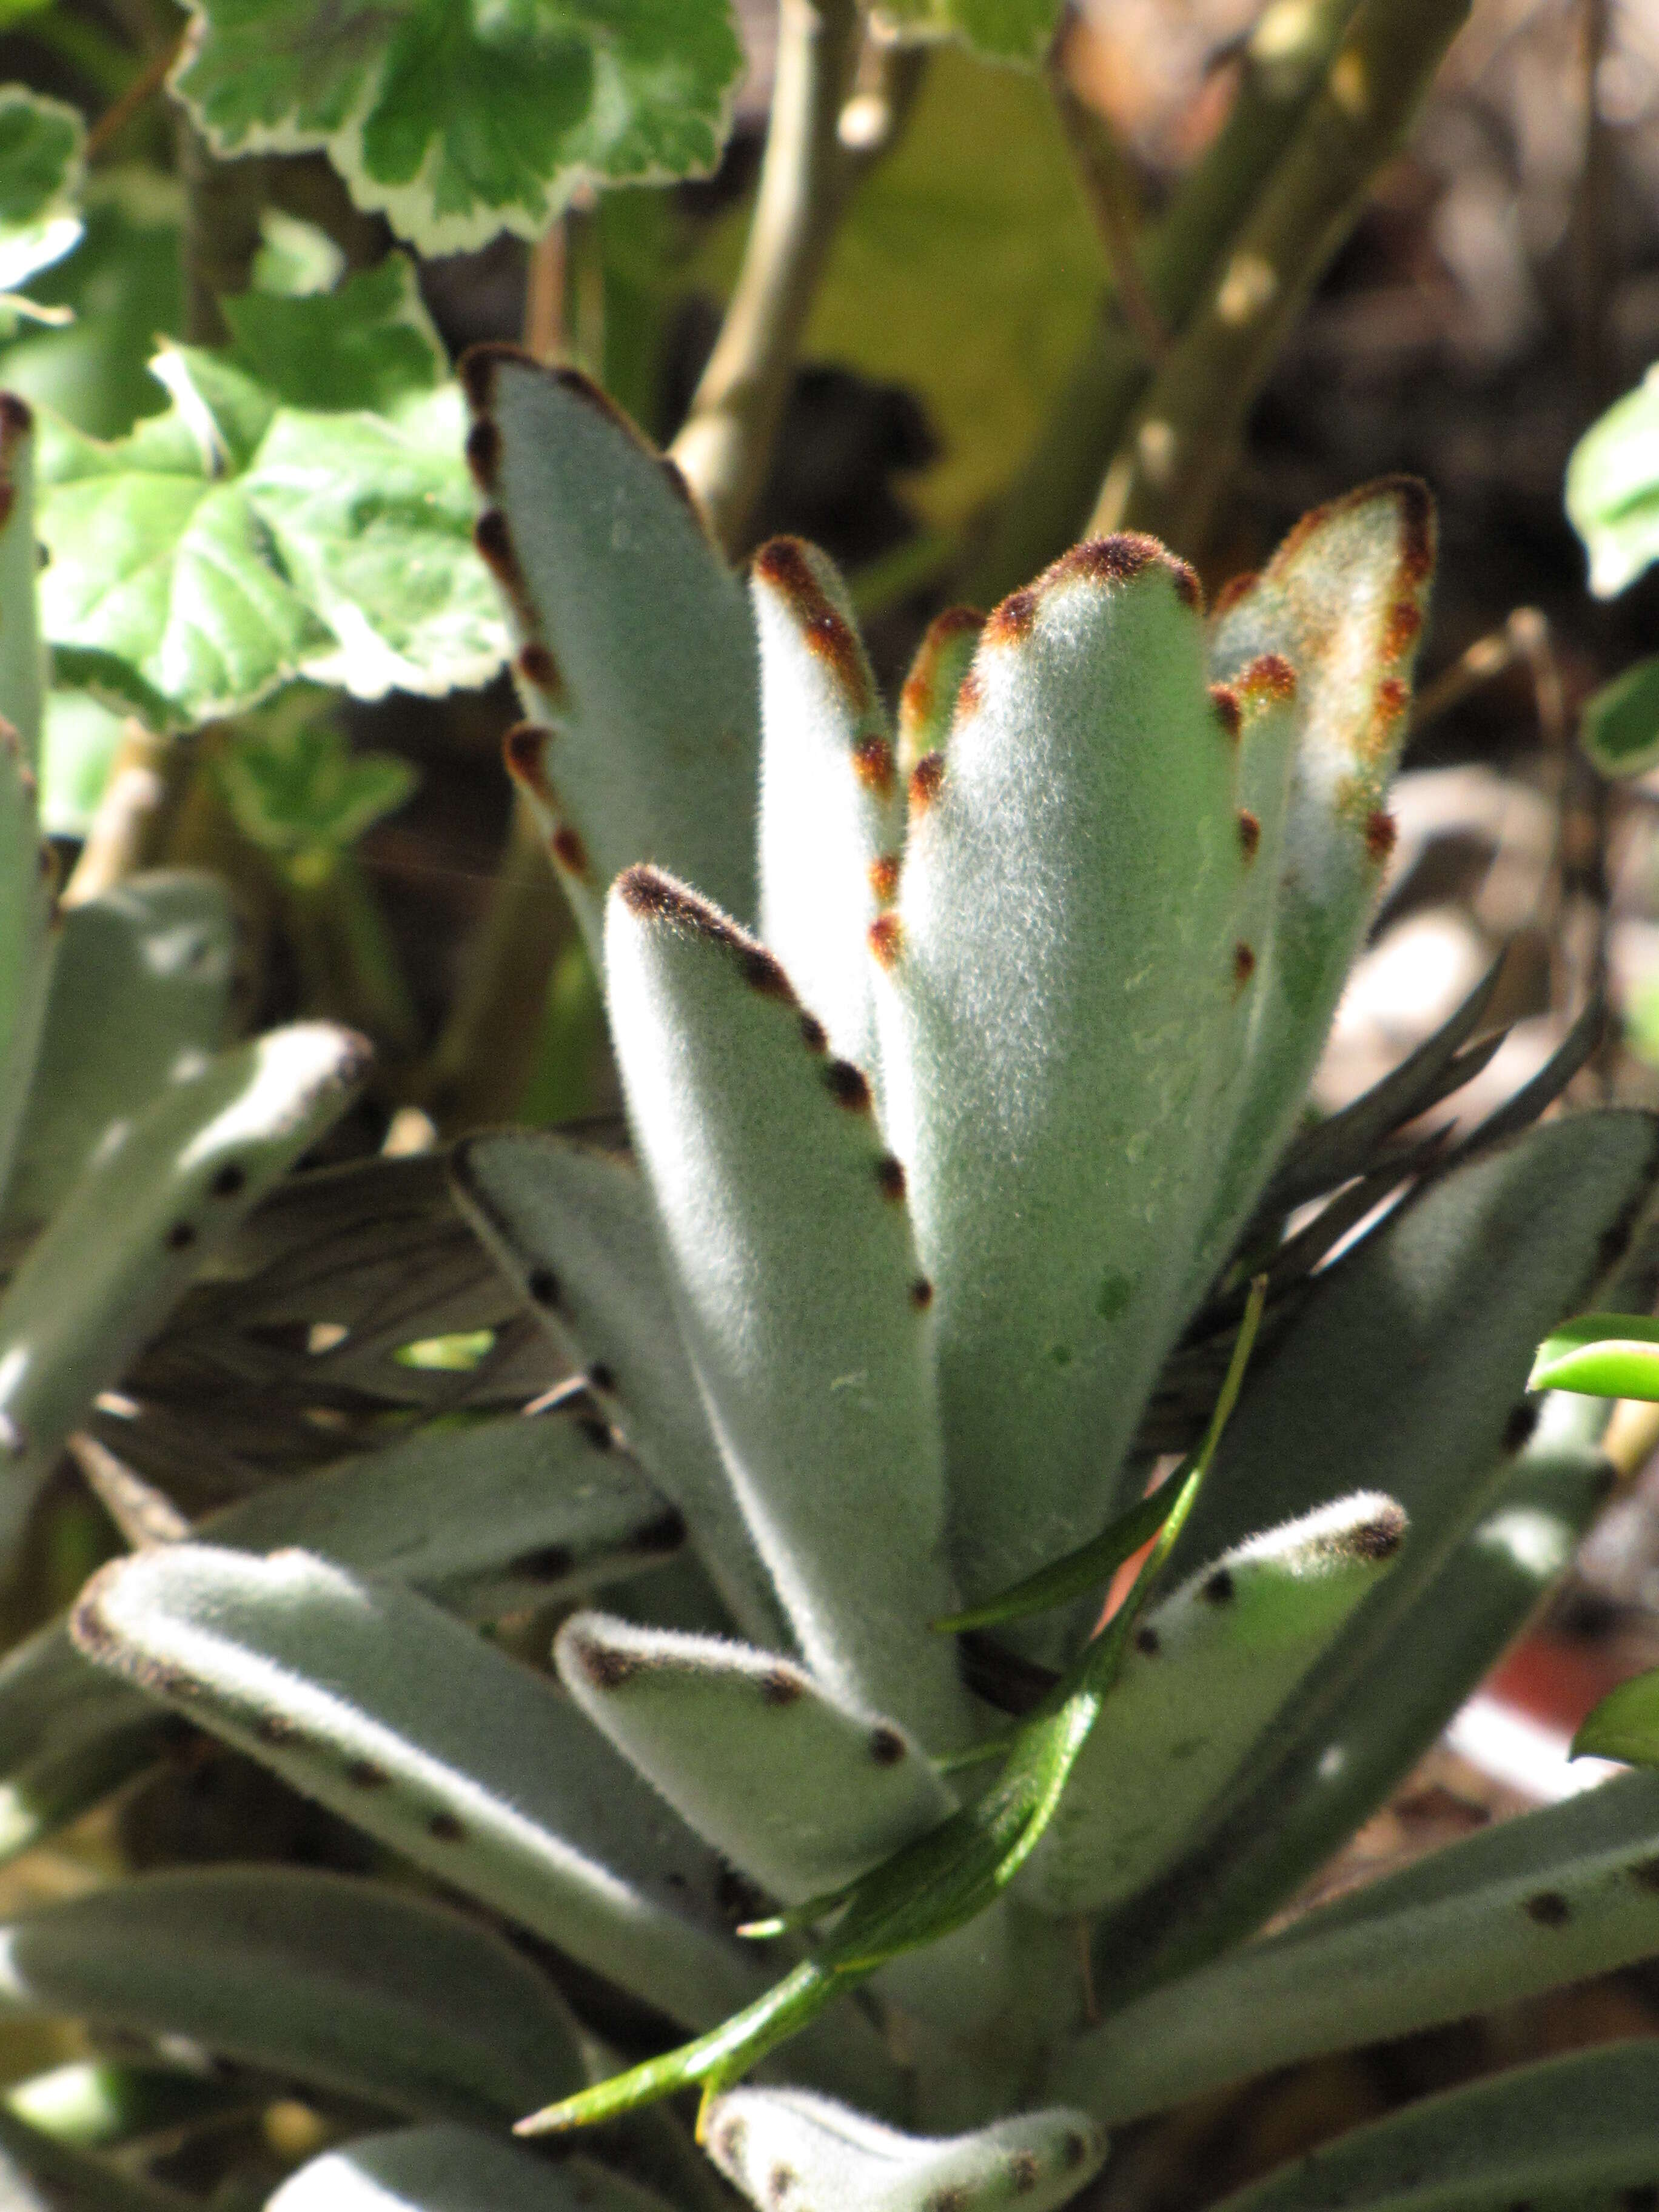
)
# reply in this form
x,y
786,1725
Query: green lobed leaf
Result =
x,y
1604,1355
799,1293
41,144
459,121
572,1226
1549,1898
453,2169
1571,2131
368,343
318,1977
1208,1669
799,1789
1618,727
298,791
140,1222
396,1717
1004,30
140,998
1055,1004
836,2157
637,644
1612,488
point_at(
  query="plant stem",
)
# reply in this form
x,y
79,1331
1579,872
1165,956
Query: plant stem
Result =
x,y
1169,475
807,178
131,819
1286,61
1110,190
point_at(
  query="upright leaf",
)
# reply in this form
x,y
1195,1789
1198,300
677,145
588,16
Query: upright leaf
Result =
x,y
22,667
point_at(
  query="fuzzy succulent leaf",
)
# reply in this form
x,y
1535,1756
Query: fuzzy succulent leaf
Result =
x,y
320,1978
453,2169
22,663
637,648
799,1791
573,1227
1059,974
1573,2131
140,998
835,2157
831,807
401,1719
1340,605
928,701
140,1220
1549,1898
800,1292
457,123
1406,1366
39,2173
1204,1674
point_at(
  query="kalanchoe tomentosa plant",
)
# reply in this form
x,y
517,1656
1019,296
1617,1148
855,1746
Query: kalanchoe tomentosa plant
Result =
x,y
963,1059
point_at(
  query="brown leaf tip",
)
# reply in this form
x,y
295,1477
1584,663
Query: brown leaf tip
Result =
x,y
538,666
1227,712
918,698
783,1685
887,1747
1381,1536
926,778
1381,832
445,1828
1417,530
1219,1589
1013,622
1249,833
872,764
493,539
1235,589
883,874
605,1668
524,750
484,453
813,1034
478,366
1548,1908
970,694
674,477
1146,1641
1024,2171
1243,965
1400,629
785,566
571,854
921,1294
1109,561
885,938
890,1178
16,419
847,1086
652,895
1268,678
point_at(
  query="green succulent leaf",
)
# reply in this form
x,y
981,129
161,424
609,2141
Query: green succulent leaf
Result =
x,y
1603,1355
238,542
41,144
1550,1898
140,1220
1620,725
27,942
453,2169
39,2173
399,1718
638,648
457,122
1624,1724
22,666
1612,488
573,1227
1572,2130
140,998
801,1791
796,1278
1035,2161
318,1977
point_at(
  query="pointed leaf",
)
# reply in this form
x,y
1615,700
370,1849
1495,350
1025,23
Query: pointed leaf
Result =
x,y
402,1720
831,811
1573,2130
141,1221
22,664
457,124
1341,603
799,1294
1624,1724
839,2158
796,1788
927,703
638,650
1549,1898
320,1976
451,2169
1061,977
1603,1355
1206,1672
140,998
573,1227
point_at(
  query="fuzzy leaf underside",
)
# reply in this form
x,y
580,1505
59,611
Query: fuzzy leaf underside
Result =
x,y
453,2169
637,648
140,998
799,1293
836,2157
1050,1028
794,1787
1572,2130
399,1718
320,1978
457,121
1415,1348
573,1227
140,1220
